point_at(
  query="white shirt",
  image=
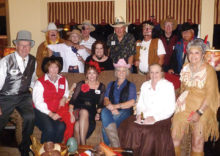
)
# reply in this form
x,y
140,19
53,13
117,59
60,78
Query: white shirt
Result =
x,y
38,92
21,64
88,43
69,57
144,53
159,103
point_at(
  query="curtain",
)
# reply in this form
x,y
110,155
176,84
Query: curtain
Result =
x,y
181,10
76,12
217,12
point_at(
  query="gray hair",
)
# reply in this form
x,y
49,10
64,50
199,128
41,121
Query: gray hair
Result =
x,y
197,43
127,71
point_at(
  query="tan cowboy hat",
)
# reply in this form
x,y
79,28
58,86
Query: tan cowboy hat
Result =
x,y
87,22
168,19
24,35
119,22
51,26
74,31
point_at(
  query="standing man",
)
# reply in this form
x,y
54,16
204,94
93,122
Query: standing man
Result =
x,y
150,50
52,37
169,39
121,44
179,56
17,75
86,27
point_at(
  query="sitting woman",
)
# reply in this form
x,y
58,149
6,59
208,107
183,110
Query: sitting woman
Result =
x,y
73,56
149,133
199,101
49,93
99,55
119,99
86,103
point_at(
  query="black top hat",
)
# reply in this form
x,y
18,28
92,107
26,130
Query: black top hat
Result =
x,y
52,59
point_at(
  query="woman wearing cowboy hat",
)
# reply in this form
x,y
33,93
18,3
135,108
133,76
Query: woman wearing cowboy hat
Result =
x,y
50,92
73,56
119,99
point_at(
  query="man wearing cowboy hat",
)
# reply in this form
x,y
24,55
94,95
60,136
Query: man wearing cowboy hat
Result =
x,y
17,75
150,50
121,44
179,56
169,39
86,27
52,37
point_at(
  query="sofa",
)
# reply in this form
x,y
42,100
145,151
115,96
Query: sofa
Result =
x,y
105,77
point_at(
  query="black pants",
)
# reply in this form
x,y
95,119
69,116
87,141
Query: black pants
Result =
x,y
52,130
23,104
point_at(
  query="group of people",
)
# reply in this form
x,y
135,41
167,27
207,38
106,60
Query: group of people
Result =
x,y
161,120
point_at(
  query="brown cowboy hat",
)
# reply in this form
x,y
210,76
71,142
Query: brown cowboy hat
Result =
x,y
168,19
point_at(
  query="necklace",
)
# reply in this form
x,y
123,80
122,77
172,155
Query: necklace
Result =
x,y
194,71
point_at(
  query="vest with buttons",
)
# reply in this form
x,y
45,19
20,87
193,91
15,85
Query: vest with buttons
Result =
x,y
16,82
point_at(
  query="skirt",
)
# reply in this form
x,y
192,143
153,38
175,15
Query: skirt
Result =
x,y
147,140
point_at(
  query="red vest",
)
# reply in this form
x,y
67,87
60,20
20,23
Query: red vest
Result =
x,y
51,96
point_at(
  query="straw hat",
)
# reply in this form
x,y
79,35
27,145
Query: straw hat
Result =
x,y
87,22
51,26
24,35
121,63
119,22
168,19
74,31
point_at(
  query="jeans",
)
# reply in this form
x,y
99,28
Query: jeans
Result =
x,y
52,130
108,118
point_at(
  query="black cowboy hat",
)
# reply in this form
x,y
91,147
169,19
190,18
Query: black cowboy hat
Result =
x,y
53,59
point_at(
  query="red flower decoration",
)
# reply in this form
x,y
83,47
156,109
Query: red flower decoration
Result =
x,y
96,65
85,88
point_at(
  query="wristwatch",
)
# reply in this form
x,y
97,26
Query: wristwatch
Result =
x,y
199,112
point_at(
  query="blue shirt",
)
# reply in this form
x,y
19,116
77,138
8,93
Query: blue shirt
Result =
x,y
117,91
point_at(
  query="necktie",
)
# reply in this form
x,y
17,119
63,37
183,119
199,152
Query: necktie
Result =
x,y
24,64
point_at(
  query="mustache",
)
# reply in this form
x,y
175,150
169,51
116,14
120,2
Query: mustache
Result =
x,y
53,35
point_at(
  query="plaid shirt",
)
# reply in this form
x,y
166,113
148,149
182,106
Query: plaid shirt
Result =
x,y
123,49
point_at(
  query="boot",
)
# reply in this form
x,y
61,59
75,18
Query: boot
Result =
x,y
197,153
177,151
112,134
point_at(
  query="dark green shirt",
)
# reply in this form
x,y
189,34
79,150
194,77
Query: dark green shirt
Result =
x,y
123,49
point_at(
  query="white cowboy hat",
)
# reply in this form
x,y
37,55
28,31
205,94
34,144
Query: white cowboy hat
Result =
x,y
51,26
24,35
87,22
119,22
